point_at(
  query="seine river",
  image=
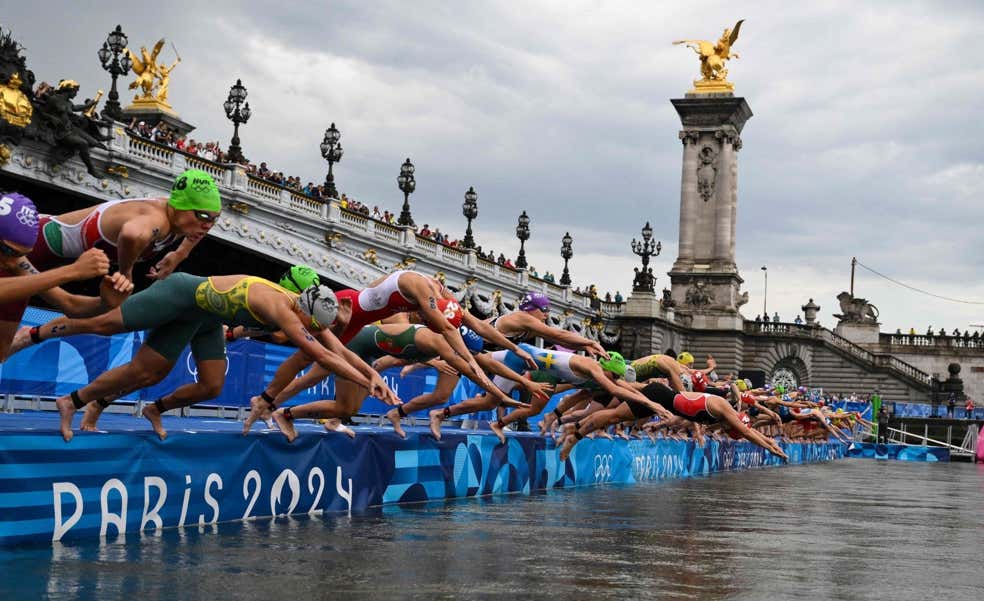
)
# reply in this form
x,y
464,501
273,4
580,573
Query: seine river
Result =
x,y
853,529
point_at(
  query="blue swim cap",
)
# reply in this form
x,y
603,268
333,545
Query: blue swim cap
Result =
x,y
473,341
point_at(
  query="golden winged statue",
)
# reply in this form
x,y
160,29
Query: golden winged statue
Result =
x,y
712,61
146,68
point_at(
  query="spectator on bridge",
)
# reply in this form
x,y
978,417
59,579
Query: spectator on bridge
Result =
x,y
765,318
775,317
502,259
798,321
426,231
956,332
969,408
898,331
608,297
929,331
912,331
942,332
950,404
618,297
758,319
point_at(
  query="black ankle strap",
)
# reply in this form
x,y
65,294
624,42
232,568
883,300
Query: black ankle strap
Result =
x,y
269,399
77,400
288,413
159,405
399,409
558,413
36,335
104,403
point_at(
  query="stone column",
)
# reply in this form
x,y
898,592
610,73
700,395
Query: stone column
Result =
x,y
688,194
705,281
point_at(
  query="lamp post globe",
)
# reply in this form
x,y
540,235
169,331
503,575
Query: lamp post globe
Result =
x,y
407,185
523,233
469,209
331,151
112,62
238,113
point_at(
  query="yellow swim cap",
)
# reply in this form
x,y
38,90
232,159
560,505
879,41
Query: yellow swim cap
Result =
x,y
741,385
685,358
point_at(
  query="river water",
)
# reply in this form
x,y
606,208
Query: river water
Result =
x,y
852,529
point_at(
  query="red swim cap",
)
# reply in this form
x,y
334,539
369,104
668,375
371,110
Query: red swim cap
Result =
x,y
451,310
699,381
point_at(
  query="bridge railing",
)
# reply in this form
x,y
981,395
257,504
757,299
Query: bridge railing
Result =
x,y
931,341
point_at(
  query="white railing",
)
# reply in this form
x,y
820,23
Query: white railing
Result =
x,y
262,189
385,232
304,204
150,151
427,246
213,169
453,255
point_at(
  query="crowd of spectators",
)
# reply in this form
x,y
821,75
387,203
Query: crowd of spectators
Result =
x,y
966,335
161,133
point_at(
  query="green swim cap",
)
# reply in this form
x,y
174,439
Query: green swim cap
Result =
x,y
615,363
299,277
195,190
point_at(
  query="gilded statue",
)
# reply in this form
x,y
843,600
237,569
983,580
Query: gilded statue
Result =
x,y
714,76
15,106
153,78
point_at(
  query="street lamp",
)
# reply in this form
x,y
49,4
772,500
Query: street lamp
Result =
x,y
407,185
523,233
765,296
644,280
470,210
331,151
237,113
566,252
109,56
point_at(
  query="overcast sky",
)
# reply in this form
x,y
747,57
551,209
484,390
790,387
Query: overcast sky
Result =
x,y
866,139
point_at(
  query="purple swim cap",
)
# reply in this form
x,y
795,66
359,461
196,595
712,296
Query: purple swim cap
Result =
x,y
18,219
535,300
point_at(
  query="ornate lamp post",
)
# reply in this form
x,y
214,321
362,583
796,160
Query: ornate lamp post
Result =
x,y
765,295
109,56
470,210
644,280
566,252
237,113
407,185
331,151
523,233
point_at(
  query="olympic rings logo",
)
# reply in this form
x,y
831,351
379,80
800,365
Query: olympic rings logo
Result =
x,y
192,367
603,468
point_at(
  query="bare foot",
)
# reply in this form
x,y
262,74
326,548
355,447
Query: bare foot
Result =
x,y
66,410
335,425
154,417
604,434
90,417
394,416
436,417
286,426
624,434
22,340
565,450
259,409
497,430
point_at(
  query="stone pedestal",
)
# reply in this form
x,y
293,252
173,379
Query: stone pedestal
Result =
x,y
704,278
643,304
858,332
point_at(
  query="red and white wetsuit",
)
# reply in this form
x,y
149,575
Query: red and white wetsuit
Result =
x,y
372,304
58,241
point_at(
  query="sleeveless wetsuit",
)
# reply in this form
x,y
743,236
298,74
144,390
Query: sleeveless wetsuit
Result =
x,y
58,241
694,409
372,343
553,364
372,304
185,309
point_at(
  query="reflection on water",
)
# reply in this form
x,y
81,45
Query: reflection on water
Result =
x,y
853,529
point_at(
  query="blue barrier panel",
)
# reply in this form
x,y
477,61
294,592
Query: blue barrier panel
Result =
x,y
128,480
899,452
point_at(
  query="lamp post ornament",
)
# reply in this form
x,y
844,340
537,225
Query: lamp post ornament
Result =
x,y
470,210
566,252
117,65
331,151
238,113
407,185
523,233
644,280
